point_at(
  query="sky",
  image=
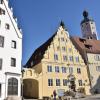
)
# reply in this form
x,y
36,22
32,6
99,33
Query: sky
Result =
x,y
39,19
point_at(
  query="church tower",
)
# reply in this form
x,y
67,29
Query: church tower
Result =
x,y
88,27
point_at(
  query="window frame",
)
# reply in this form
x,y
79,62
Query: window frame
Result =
x,y
13,44
71,58
57,69
65,82
80,82
1,41
79,70
1,1
55,57
65,58
13,62
49,68
7,26
1,62
64,69
58,82
77,59
50,82
98,68
70,70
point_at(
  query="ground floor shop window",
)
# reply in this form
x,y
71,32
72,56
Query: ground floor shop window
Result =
x,y
12,86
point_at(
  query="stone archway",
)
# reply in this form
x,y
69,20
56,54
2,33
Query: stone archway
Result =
x,y
30,88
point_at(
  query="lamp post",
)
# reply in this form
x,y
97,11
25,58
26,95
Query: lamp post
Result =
x,y
22,82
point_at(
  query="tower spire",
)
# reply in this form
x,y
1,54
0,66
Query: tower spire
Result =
x,y
85,14
62,24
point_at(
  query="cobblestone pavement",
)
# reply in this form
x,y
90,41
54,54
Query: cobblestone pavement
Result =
x,y
94,97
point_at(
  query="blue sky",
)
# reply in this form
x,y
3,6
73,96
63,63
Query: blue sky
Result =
x,y
39,19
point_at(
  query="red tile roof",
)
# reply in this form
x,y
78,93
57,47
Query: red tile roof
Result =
x,y
86,46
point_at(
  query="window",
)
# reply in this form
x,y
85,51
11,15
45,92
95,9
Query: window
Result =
x,y
1,1
78,70
77,59
0,90
13,62
0,23
80,82
97,57
1,41
57,69
55,57
62,39
0,63
50,82
65,82
63,49
49,68
57,82
64,58
58,48
7,26
70,70
70,50
63,69
12,86
98,68
2,11
13,44
71,58
91,22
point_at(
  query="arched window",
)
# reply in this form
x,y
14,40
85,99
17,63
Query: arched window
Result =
x,y
29,72
12,86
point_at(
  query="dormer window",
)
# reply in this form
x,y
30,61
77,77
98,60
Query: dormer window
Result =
x,y
88,46
82,40
7,26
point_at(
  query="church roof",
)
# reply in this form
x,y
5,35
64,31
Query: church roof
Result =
x,y
86,46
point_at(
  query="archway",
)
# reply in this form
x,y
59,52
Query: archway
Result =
x,y
12,86
30,88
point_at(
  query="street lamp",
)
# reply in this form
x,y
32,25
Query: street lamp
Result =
x,y
22,82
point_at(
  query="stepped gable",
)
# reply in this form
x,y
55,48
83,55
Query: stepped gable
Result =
x,y
39,52
86,46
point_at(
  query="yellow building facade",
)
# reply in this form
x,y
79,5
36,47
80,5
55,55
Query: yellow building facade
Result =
x,y
57,66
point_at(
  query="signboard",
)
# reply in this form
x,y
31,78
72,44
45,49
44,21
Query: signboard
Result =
x,y
60,92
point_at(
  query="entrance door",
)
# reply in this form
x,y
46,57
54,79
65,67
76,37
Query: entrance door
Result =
x,y
73,86
12,86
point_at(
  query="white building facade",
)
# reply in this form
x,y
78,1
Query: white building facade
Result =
x,y
10,53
